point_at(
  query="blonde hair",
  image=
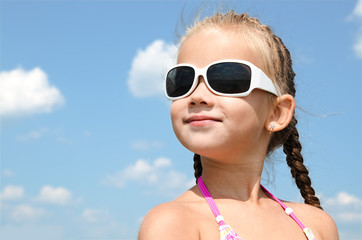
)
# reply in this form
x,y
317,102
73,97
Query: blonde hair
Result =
x,y
277,64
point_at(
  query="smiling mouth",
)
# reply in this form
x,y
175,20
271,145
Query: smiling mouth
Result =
x,y
201,121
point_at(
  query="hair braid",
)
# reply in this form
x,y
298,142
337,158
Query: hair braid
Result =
x,y
292,148
197,166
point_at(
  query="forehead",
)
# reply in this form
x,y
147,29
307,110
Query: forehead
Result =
x,y
210,45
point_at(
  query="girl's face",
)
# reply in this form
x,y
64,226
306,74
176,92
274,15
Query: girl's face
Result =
x,y
216,126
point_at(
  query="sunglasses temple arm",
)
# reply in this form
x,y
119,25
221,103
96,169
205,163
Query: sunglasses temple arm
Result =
x,y
267,84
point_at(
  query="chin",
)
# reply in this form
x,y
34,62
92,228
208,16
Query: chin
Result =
x,y
209,151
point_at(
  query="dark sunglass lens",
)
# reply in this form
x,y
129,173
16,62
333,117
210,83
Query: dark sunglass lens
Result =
x,y
229,77
179,81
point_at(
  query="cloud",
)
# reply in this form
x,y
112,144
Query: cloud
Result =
x,y
157,175
65,140
358,47
87,133
95,215
344,199
90,215
162,162
32,231
26,92
350,216
8,173
141,171
56,196
23,213
357,14
148,68
32,135
358,9
142,145
345,207
175,179
105,229
12,193
43,132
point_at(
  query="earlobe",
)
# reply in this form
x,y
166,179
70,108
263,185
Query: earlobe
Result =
x,y
281,114
271,127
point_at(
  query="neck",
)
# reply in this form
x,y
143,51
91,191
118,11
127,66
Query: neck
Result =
x,y
239,181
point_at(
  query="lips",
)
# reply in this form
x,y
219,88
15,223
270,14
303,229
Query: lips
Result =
x,y
199,120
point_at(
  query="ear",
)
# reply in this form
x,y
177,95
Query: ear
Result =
x,y
281,114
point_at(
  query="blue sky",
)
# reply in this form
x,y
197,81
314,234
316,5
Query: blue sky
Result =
x,y
86,145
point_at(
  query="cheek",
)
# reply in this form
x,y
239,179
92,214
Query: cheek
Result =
x,y
259,102
176,116
247,118
173,112
178,112
243,122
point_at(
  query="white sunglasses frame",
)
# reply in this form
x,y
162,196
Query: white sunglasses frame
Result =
x,y
258,80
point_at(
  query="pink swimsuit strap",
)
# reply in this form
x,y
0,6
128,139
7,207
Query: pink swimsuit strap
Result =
x,y
220,219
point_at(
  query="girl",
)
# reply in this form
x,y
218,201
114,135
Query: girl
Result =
x,y
233,103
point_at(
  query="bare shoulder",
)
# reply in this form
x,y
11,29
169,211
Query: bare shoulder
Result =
x,y
172,220
163,221
318,220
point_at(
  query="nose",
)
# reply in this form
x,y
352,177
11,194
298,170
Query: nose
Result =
x,y
201,95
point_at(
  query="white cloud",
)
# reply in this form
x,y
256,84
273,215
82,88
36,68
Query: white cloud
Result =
x,y
358,46
95,215
345,207
87,133
64,140
148,69
44,132
344,199
140,171
350,216
357,14
32,135
157,175
32,231
162,162
23,213
142,145
107,229
175,179
8,173
57,196
23,92
358,9
90,215
12,193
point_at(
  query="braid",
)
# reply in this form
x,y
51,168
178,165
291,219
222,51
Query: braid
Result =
x,y
292,148
197,166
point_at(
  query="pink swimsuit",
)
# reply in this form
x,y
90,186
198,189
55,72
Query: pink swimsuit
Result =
x,y
227,233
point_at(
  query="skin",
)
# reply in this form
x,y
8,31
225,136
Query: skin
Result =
x,y
231,135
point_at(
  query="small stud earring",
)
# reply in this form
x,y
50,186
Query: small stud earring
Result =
x,y
271,128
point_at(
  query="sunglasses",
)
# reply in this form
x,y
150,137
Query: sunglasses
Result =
x,y
233,78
